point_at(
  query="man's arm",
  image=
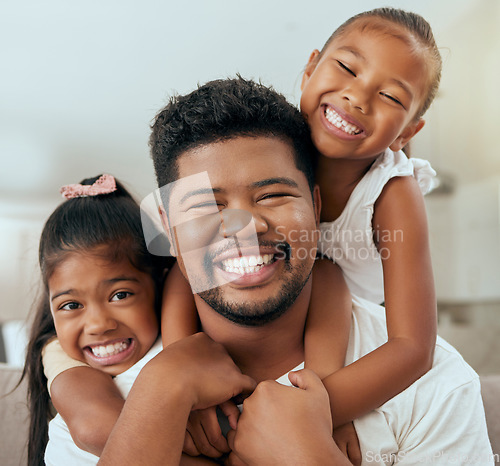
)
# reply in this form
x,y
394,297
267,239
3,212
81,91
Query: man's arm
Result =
x,y
193,373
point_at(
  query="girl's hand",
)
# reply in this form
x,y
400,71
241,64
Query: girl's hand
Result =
x,y
204,435
346,439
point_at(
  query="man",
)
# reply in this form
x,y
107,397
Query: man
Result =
x,y
255,150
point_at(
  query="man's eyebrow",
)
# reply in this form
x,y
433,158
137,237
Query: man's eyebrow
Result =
x,y
196,192
277,180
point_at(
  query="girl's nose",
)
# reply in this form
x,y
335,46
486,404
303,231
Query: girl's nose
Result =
x,y
358,98
99,321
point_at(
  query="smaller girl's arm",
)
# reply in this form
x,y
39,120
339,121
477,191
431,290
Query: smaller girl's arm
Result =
x,y
328,320
90,403
179,317
400,226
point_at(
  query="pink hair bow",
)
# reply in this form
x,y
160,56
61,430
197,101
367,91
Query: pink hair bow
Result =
x,y
104,185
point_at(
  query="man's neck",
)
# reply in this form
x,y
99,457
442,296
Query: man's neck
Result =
x,y
262,352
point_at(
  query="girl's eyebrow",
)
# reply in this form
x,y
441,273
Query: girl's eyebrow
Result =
x,y
352,50
105,282
62,293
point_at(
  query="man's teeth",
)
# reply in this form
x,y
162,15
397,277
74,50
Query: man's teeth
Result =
x,y
109,350
246,264
334,118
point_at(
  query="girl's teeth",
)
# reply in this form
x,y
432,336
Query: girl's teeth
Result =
x,y
335,119
109,350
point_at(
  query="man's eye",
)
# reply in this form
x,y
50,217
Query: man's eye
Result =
x,y
204,205
70,306
273,196
346,68
390,97
120,295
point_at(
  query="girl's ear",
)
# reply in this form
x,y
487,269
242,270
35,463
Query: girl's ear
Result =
x,y
407,134
311,65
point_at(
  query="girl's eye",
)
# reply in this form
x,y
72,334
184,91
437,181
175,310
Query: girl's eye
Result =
x,y
390,97
346,68
70,306
120,295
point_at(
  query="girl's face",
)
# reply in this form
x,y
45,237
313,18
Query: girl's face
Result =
x,y
362,95
103,311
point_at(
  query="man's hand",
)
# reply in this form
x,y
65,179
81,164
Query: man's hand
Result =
x,y
346,439
204,435
286,425
201,370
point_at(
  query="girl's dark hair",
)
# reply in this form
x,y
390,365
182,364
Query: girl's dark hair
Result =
x,y
80,224
419,29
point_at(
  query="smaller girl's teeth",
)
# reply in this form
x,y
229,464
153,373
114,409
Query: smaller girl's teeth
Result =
x,y
109,350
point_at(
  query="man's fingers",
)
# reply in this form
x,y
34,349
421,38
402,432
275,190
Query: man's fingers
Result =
x,y
211,427
189,447
305,379
230,438
201,441
231,411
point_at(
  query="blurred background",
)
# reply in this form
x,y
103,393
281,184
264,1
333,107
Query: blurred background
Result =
x,y
81,82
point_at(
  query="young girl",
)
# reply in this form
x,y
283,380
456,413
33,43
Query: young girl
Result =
x,y
100,297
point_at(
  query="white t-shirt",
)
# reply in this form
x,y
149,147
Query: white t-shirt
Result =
x,y
439,420
61,450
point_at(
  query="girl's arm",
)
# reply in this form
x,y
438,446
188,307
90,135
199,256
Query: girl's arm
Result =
x,y
179,317
90,404
400,225
328,320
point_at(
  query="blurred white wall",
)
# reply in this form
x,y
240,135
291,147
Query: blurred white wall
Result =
x,y
81,82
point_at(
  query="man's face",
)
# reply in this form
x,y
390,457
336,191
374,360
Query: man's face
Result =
x,y
266,202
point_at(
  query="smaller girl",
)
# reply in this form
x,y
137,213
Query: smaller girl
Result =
x,y
100,298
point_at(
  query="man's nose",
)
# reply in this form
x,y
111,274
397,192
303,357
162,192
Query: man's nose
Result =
x,y
239,222
98,320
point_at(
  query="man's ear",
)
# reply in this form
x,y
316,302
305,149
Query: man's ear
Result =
x,y
310,67
167,230
410,131
317,204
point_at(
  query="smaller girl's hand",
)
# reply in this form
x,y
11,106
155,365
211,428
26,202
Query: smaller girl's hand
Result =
x,y
346,439
204,435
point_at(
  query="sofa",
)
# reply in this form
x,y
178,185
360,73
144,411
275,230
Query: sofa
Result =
x,y
14,415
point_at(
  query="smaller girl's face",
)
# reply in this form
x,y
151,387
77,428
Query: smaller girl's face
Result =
x,y
103,311
362,95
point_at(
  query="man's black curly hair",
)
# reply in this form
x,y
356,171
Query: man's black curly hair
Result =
x,y
224,109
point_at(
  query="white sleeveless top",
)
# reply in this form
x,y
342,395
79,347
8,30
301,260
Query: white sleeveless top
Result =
x,y
348,240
